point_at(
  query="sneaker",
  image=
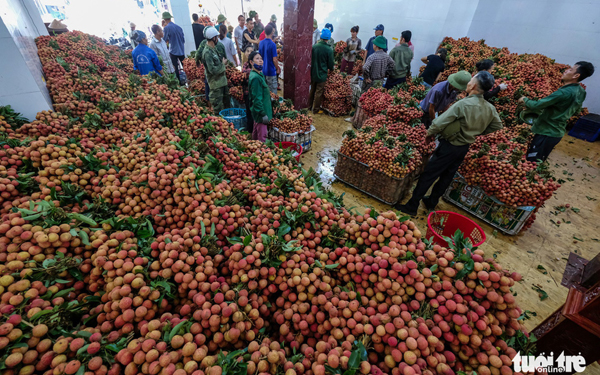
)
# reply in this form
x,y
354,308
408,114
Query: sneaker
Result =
x,y
403,208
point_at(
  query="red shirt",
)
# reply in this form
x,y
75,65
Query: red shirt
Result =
x,y
262,36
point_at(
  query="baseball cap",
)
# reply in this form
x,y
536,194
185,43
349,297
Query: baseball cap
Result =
x,y
379,27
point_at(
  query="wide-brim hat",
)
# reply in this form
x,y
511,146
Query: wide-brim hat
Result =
x,y
460,79
166,16
221,18
273,18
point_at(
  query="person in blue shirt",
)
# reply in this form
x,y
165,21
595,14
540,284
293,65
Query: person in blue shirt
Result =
x,y
145,60
378,31
268,52
175,40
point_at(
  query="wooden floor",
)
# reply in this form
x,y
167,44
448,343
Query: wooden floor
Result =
x,y
545,244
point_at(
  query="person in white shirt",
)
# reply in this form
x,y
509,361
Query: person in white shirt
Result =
x,y
230,49
160,47
132,33
316,32
238,35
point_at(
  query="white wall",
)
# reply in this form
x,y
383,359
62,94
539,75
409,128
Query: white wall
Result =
x,y
21,82
429,20
567,31
180,11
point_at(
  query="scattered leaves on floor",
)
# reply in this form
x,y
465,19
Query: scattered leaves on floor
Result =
x,y
541,292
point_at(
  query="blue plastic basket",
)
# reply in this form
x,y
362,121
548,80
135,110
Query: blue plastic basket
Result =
x,y
587,128
236,116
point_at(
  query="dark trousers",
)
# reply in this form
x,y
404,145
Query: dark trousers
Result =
x,y
392,82
443,164
426,120
174,60
206,88
541,146
249,119
347,67
316,95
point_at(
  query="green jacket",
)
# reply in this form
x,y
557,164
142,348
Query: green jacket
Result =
x,y
557,108
258,29
220,50
402,55
473,115
321,61
215,69
260,97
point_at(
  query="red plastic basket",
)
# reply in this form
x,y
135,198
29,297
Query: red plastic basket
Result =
x,y
446,223
294,146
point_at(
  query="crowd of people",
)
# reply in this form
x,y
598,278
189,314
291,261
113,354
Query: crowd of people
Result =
x,y
457,123
252,46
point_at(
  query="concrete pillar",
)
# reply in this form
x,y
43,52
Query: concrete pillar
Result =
x,y
22,84
180,11
297,50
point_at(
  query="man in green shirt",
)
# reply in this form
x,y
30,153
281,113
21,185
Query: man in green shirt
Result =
x,y
215,73
556,109
258,26
321,64
459,125
402,56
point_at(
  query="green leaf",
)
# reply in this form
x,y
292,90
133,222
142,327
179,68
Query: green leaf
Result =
x,y
84,237
174,331
404,218
247,240
541,292
283,230
542,269
85,334
84,219
354,361
332,266
434,268
63,293
113,348
32,217
81,371
40,314
83,349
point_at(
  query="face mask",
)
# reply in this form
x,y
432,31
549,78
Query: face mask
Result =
x,y
258,67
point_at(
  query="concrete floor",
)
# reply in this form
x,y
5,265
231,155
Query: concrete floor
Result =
x,y
544,244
